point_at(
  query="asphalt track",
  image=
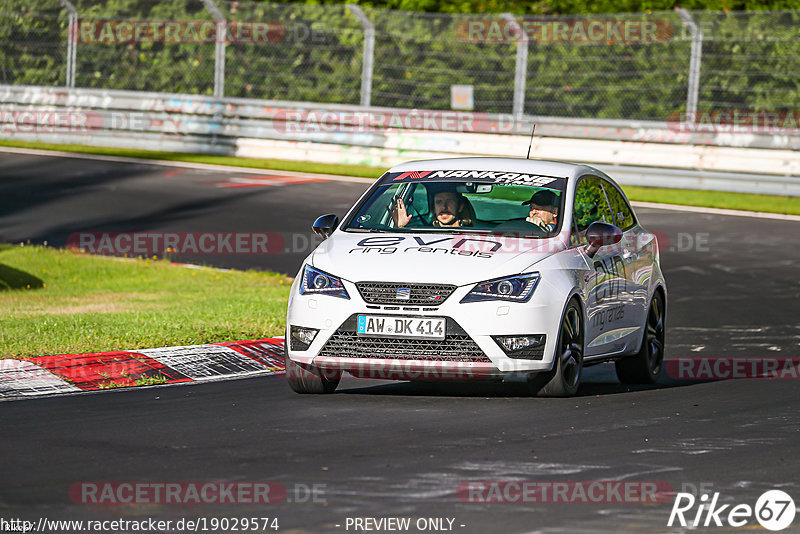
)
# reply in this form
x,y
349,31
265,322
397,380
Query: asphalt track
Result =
x,y
381,449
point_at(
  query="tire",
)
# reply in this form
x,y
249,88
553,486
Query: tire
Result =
x,y
310,379
645,367
565,377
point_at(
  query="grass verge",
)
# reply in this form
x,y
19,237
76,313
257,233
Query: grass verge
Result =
x,y
715,199
685,197
58,301
363,171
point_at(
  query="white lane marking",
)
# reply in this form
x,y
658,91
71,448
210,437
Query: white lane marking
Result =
x,y
185,164
716,211
19,378
206,362
355,179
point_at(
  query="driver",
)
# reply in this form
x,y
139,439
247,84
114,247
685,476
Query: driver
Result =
x,y
449,210
543,207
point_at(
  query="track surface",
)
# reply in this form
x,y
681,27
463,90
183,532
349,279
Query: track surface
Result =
x,y
396,449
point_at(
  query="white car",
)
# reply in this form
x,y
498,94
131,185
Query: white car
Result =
x,y
458,269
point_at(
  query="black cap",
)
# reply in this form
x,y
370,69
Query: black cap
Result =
x,y
545,197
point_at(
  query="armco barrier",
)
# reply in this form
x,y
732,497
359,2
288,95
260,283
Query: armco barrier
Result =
x,y
641,153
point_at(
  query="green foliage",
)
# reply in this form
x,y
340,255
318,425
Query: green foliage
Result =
x,y
563,7
186,67
572,7
33,37
315,57
749,59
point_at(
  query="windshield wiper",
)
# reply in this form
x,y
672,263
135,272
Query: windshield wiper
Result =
x,y
469,230
367,230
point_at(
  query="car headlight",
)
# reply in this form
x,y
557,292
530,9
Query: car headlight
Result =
x,y
513,288
320,282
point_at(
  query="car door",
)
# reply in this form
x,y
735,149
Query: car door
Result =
x,y
634,254
637,255
606,280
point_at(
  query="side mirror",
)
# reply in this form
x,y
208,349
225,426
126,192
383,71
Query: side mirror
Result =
x,y
325,225
600,234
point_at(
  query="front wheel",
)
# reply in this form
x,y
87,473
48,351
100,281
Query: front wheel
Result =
x,y
310,379
565,377
645,367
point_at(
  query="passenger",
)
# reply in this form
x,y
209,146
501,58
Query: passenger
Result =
x,y
543,210
450,209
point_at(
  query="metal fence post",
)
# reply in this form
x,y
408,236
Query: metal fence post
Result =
x,y
219,51
694,61
369,54
72,41
521,68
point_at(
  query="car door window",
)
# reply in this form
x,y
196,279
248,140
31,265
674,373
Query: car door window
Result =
x,y
590,206
621,212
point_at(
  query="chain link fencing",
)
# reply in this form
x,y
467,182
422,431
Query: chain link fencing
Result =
x,y
641,66
311,54
33,37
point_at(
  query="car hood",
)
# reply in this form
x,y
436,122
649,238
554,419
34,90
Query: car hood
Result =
x,y
425,257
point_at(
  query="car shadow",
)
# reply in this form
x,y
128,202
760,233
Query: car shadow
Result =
x,y
11,278
599,380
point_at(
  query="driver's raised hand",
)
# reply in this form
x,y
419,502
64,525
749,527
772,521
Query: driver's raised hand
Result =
x,y
400,215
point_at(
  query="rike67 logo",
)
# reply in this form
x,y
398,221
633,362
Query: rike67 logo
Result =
x,y
774,510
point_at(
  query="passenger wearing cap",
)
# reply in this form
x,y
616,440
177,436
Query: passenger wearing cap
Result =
x,y
450,209
543,210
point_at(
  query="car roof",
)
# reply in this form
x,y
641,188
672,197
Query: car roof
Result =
x,y
527,166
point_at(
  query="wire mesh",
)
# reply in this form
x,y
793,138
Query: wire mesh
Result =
x,y
311,53
315,53
750,60
125,45
419,56
608,74
33,38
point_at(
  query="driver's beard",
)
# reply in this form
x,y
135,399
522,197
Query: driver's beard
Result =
x,y
437,222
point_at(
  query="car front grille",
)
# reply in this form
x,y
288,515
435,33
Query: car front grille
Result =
x,y
451,349
418,294
457,346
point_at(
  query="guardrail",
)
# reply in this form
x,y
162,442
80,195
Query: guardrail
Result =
x,y
638,152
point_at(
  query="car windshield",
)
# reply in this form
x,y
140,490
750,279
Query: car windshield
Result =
x,y
462,201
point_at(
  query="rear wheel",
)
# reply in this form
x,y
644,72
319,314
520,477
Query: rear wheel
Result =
x,y
565,377
645,367
310,379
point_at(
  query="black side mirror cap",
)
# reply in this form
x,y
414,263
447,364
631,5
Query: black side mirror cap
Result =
x,y
325,225
600,234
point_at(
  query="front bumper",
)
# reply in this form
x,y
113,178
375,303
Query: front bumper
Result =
x,y
467,352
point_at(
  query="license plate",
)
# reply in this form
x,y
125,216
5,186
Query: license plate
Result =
x,y
408,327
